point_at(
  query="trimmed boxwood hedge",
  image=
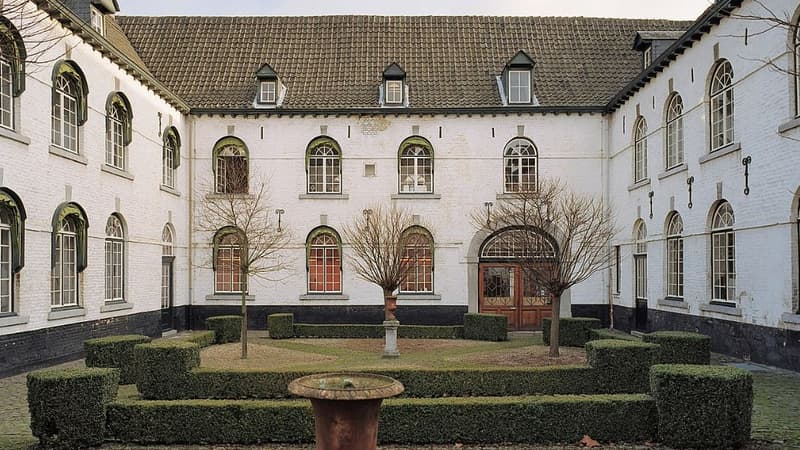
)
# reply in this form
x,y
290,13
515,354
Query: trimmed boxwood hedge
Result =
x,y
485,327
572,331
226,328
702,406
116,352
412,421
621,366
280,326
359,331
202,338
681,347
68,406
607,333
165,368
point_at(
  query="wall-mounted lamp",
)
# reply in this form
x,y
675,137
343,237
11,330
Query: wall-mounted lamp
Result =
x,y
279,212
488,206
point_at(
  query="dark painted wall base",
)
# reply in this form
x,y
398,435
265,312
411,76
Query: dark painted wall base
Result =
x,y
765,345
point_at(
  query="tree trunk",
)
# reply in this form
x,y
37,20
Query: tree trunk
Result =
x,y
244,315
554,325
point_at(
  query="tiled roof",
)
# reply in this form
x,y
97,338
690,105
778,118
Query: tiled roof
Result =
x,y
336,62
118,39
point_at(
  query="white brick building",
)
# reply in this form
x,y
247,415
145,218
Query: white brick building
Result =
x,y
387,111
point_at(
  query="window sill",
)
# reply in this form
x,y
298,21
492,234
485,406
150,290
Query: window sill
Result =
x,y
416,196
404,297
638,184
230,297
720,152
675,170
78,158
323,196
511,195
14,136
790,318
325,297
12,320
115,306
242,196
118,172
169,190
721,309
66,313
790,125
673,303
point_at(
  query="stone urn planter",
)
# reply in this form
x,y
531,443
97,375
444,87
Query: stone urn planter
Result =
x,y
346,407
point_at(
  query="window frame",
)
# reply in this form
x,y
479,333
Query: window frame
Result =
x,y
7,250
393,92
115,259
167,257
99,24
723,237
640,291
221,163
796,38
522,161
330,259
68,232
323,161
116,147
721,106
674,133
170,157
640,150
519,86
14,54
416,240
416,167
65,103
675,257
7,114
268,96
228,250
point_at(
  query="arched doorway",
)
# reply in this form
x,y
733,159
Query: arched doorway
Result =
x,y
505,286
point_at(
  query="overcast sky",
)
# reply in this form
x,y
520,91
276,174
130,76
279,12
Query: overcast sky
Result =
x,y
672,9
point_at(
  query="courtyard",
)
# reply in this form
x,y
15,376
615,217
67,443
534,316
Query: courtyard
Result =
x,y
776,412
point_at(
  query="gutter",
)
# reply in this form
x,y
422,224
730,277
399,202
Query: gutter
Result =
x,y
400,111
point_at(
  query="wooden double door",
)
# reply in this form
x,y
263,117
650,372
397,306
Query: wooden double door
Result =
x,y
509,290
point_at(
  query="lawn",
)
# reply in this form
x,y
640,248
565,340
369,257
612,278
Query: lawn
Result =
x,y
776,414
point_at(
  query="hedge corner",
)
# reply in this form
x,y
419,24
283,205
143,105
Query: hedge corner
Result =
x,y
115,352
572,331
485,327
280,326
226,328
681,347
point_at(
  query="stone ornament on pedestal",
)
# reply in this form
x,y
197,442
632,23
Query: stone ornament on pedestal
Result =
x,y
390,349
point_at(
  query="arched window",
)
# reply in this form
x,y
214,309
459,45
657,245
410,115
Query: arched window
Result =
x,y
674,119
797,67
6,274
723,255
115,259
521,168
69,105
12,71
640,150
640,260
517,243
118,130
675,257
167,241
324,262
721,95
171,157
227,261
167,256
324,167
12,244
418,260
231,166
415,166
69,254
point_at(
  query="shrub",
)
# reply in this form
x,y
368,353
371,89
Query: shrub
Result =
x,y
280,326
681,347
416,421
485,327
572,331
606,333
359,331
165,368
68,406
115,351
226,328
431,331
621,366
202,338
702,406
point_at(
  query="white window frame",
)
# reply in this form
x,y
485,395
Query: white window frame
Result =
x,y
229,249
168,163
674,132
325,247
640,262
519,86
115,138
65,116
97,20
394,92
797,69
66,268
268,92
6,94
167,253
223,160
520,155
415,170
723,256
675,264
721,117
324,170
648,56
640,150
114,260
6,270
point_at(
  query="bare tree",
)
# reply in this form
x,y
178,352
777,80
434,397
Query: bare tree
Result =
x,y
241,221
378,239
564,238
38,36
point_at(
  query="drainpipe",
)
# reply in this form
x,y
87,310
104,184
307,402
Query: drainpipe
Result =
x,y
606,196
192,155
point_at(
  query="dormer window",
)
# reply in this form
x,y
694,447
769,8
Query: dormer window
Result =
x,y
517,80
394,86
652,44
97,20
647,56
270,91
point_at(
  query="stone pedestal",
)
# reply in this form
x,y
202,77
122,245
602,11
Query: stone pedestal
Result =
x,y
390,349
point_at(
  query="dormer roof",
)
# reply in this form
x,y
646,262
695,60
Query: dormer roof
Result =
x,y
645,38
394,72
106,6
266,71
521,59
